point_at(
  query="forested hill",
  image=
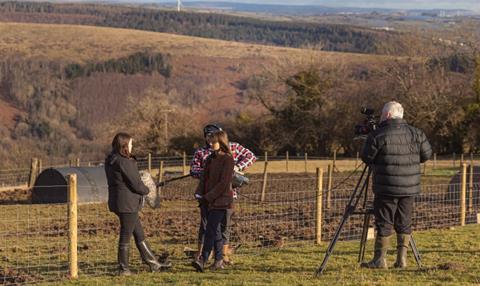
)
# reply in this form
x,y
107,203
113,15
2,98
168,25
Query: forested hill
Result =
x,y
341,38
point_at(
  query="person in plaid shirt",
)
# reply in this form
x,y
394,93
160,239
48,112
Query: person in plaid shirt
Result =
x,y
243,159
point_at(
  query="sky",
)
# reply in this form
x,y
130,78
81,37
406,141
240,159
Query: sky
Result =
x,y
397,4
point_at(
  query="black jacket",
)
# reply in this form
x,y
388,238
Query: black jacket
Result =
x,y
395,151
125,188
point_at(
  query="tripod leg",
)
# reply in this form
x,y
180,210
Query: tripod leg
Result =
x,y
352,204
331,246
416,253
363,240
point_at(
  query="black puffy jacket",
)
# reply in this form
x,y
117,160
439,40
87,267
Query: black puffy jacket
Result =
x,y
125,187
395,151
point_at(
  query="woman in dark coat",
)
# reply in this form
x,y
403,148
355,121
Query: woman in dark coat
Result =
x,y
215,191
126,193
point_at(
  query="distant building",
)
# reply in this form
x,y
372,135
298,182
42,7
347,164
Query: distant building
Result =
x,y
384,28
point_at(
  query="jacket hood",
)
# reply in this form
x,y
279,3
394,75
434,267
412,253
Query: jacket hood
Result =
x,y
112,158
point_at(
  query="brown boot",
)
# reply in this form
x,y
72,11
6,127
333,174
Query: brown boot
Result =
x,y
217,265
227,251
382,243
403,241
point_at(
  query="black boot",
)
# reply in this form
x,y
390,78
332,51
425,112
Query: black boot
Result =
x,y
402,247
382,244
199,264
149,258
123,269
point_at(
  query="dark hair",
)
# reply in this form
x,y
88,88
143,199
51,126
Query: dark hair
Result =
x,y
120,144
222,138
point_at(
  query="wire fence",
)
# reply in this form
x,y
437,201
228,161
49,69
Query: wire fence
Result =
x,y
34,237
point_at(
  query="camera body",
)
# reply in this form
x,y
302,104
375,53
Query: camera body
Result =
x,y
239,180
369,124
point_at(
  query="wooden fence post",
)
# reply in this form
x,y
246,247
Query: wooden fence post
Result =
x,y
265,178
329,186
470,189
319,200
184,163
334,167
149,162
266,156
160,173
39,166
33,172
454,159
306,162
463,195
77,162
461,159
356,159
286,160
72,226
434,161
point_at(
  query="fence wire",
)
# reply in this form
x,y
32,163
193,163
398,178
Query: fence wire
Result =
x,y
34,237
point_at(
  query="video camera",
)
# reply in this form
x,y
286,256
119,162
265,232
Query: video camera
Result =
x,y
239,180
369,124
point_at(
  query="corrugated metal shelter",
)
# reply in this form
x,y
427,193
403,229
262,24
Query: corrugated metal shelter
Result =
x,y
51,185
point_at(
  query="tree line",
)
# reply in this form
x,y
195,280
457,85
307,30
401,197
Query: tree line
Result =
x,y
141,62
318,107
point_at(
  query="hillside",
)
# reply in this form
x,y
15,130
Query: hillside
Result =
x,y
298,33
204,70
207,79
72,43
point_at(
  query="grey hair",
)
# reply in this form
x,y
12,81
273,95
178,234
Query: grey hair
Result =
x,y
395,109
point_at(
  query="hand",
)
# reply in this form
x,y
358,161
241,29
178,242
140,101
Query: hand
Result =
x,y
236,169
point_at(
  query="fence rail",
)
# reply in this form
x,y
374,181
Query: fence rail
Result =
x,y
35,239
16,178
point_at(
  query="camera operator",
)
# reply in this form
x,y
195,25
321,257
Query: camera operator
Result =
x,y
394,151
243,159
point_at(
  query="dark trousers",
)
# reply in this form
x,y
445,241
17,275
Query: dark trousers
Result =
x,y
393,213
225,225
213,235
130,225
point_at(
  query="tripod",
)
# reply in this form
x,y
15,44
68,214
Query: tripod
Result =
x,y
361,190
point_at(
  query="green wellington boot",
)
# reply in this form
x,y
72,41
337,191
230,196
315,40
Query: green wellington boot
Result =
x,y
382,243
403,241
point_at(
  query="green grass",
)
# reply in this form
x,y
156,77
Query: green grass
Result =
x,y
451,257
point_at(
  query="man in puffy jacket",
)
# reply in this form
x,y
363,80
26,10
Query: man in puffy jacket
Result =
x,y
394,151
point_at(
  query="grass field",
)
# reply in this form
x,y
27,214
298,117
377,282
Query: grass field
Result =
x,y
450,257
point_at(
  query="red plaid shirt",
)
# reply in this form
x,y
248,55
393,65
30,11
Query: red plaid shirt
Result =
x,y
242,157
